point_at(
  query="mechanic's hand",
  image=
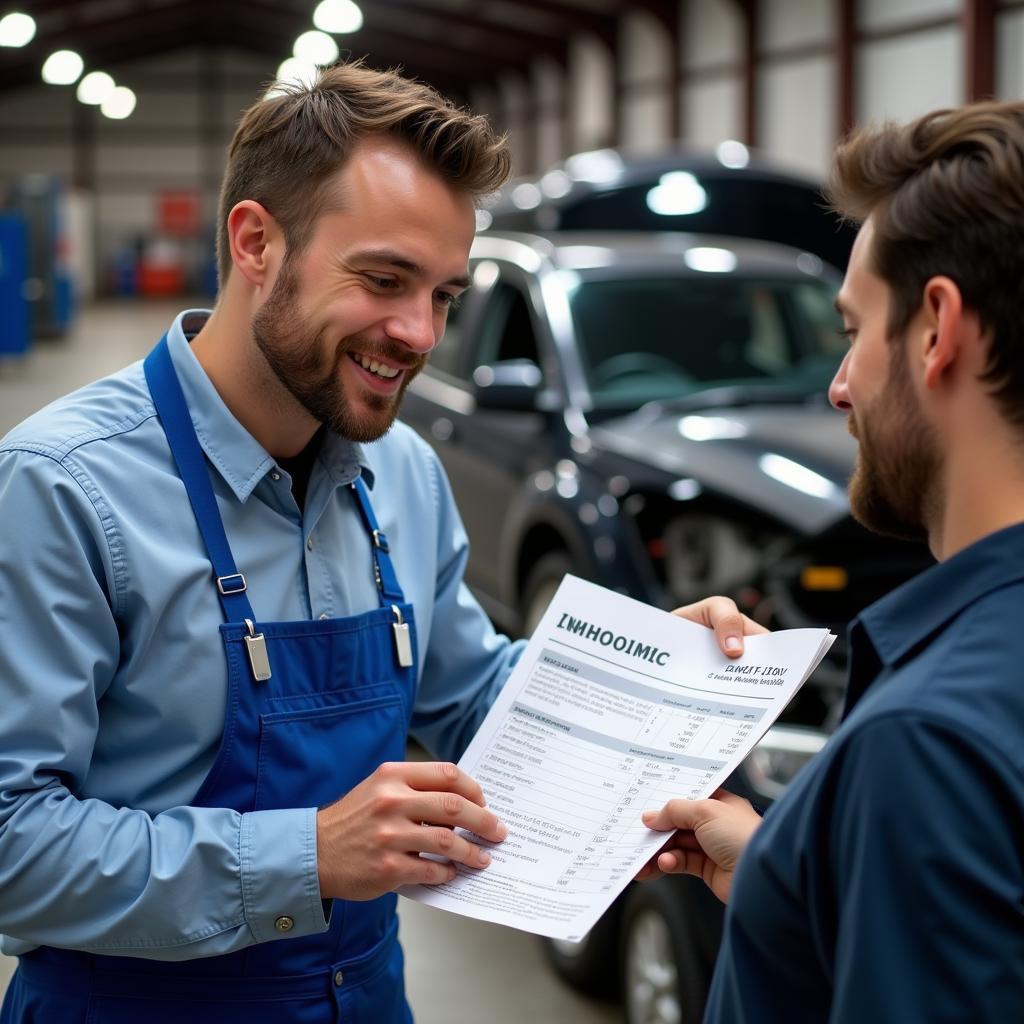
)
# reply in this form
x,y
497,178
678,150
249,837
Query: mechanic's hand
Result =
x,y
722,615
712,835
368,842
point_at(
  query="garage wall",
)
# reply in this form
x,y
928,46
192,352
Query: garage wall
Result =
x,y
1009,51
646,57
644,89
188,105
910,75
711,95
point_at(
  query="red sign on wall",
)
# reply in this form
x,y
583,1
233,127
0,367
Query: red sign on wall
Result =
x,y
178,213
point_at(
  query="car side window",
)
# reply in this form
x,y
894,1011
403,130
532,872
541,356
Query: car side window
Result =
x,y
508,331
449,354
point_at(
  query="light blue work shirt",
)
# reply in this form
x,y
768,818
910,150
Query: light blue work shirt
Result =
x,y
113,678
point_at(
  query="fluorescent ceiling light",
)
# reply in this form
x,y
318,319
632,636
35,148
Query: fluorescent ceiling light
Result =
x,y
16,29
95,88
315,48
119,104
338,16
63,68
294,72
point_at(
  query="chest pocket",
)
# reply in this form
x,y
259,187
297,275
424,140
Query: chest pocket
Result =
x,y
317,755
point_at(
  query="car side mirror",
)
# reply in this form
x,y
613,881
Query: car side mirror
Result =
x,y
512,385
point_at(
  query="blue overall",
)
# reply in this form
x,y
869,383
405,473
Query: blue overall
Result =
x,y
313,708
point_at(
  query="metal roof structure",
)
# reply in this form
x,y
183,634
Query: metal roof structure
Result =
x,y
450,43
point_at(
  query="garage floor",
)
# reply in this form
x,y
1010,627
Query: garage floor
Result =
x,y
459,971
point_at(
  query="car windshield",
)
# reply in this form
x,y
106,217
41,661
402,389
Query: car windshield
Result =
x,y
661,338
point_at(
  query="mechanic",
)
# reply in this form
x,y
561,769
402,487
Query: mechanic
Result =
x,y
212,633
887,883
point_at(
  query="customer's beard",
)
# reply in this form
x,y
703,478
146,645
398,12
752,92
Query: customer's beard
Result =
x,y
896,483
294,351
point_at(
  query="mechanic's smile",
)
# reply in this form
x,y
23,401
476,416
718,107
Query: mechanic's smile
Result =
x,y
373,366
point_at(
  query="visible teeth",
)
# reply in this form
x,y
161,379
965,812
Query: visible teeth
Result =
x,y
387,372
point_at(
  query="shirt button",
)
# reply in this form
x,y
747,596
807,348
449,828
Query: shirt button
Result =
x,y
338,978
284,923
309,544
324,615
275,476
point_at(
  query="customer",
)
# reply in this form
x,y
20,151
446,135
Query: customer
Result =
x,y
887,884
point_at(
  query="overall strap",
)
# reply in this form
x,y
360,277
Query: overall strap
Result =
x,y
174,416
383,570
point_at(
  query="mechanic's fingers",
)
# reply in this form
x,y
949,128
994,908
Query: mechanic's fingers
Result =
x,y
443,842
423,871
722,615
451,810
432,776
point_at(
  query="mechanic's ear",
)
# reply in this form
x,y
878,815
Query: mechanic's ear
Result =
x,y
255,240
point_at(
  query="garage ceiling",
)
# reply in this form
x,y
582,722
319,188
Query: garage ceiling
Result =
x,y
449,43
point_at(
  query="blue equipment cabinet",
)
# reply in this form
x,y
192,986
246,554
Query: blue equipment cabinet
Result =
x,y
40,199
14,311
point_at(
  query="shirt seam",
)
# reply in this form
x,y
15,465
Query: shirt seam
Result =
x,y
983,744
170,943
244,862
108,526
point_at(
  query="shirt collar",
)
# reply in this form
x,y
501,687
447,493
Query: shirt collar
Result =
x,y
239,458
903,620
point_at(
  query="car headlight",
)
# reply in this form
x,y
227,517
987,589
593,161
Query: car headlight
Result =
x,y
783,751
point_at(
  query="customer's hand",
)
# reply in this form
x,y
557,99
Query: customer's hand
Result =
x,y
722,615
712,835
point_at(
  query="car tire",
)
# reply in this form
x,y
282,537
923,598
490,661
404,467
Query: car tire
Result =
x,y
540,587
590,966
665,974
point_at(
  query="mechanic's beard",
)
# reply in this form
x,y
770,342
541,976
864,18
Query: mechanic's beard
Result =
x,y
295,352
895,485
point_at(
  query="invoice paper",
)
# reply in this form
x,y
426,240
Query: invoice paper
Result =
x,y
614,708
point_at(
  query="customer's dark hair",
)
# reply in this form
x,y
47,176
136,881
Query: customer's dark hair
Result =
x,y
946,197
289,144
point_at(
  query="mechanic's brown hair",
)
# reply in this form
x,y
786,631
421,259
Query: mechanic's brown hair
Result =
x,y
288,146
946,196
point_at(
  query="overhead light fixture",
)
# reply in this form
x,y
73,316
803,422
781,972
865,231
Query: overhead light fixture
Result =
x,y
295,72
338,16
16,29
315,47
95,88
63,68
119,104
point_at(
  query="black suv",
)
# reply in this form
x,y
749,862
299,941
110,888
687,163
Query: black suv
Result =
x,y
648,411
728,192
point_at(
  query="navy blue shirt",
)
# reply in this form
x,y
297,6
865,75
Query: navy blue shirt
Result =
x,y
888,882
